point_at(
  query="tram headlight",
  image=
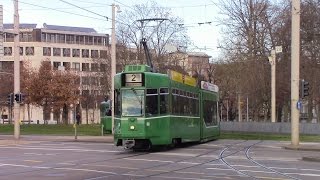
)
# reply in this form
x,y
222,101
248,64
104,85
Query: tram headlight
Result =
x,y
132,127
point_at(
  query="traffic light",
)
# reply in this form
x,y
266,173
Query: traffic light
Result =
x,y
10,99
304,90
19,97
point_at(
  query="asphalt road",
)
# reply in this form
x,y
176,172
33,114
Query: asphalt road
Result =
x,y
220,159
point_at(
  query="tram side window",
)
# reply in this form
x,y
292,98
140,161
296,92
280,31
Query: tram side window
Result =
x,y
117,103
164,100
152,102
210,112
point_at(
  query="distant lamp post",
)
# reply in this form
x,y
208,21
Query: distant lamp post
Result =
x,y
272,60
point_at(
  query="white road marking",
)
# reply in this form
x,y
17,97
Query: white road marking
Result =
x,y
315,175
59,168
175,154
222,169
121,167
188,162
148,160
172,177
71,164
40,154
56,149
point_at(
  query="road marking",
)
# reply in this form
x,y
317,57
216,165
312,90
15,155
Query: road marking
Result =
x,y
56,149
121,167
315,175
71,164
40,154
175,154
222,169
34,161
187,163
172,177
148,160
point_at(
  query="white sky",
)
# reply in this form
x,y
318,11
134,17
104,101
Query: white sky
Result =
x,y
191,11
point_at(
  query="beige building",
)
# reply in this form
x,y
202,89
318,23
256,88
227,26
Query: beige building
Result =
x,y
193,63
65,47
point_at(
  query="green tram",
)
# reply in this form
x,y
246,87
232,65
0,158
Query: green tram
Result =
x,y
154,109
105,116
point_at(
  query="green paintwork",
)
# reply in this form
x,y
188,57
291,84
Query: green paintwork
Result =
x,y
160,130
106,121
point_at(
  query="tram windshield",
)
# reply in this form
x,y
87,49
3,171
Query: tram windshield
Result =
x,y
132,102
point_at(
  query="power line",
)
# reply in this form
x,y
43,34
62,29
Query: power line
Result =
x,y
84,9
61,11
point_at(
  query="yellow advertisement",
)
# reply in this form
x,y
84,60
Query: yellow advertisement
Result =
x,y
175,76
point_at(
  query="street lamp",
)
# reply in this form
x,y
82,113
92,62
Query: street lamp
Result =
x,y
113,57
272,60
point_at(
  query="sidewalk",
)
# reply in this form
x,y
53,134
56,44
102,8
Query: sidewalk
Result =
x,y
9,139
307,147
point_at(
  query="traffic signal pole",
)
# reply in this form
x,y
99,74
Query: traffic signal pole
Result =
x,y
16,51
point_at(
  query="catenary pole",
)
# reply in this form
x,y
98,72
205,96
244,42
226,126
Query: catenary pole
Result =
x,y
113,62
295,61
16,70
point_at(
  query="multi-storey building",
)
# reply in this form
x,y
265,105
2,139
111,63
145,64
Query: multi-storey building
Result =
x,y
77,48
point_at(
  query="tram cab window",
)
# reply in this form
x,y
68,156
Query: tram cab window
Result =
x,y
152,102
164,100
132,102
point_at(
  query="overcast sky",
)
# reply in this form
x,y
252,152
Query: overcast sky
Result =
x,y
50,12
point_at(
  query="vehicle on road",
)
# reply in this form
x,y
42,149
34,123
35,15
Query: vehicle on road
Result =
x,y
163,109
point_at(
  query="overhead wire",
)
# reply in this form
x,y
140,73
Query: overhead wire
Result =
x,y
84,9
67,12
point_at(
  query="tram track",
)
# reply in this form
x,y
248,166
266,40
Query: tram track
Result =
x,y
181,160
248,157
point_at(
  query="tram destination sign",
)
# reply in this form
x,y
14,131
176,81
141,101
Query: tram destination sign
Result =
x,y
133,79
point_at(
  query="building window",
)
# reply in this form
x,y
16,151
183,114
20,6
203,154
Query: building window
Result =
x,y
85,81
66,52
21,51
70,39
85,67
75,52
94,54
94,67
25,37
56,51
7,51
56,65
103,67
76,66
9,37
103,54
29,51
47,51
61,38
89,40
66,65
85,53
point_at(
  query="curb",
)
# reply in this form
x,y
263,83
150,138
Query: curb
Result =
x,y
302,148
312,159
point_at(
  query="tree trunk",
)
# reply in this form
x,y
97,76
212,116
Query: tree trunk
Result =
x,y
29,114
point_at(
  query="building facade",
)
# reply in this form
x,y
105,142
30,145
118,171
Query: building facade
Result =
x,y
74,48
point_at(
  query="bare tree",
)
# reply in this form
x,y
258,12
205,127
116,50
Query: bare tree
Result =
x,y
161,29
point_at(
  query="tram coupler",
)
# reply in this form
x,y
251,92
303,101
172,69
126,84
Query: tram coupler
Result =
x,y
128,144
